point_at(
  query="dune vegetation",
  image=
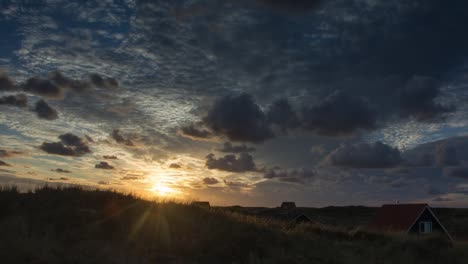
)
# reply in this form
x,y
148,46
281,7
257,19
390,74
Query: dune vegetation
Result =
x,y
72,225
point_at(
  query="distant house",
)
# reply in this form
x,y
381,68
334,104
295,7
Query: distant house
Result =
x,y
292,216
288,205
407,218
290,213
301,218
202,204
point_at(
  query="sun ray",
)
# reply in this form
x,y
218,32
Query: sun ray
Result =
x,y
161,189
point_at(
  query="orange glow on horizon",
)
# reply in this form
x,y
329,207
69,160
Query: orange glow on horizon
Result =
x,y
161,189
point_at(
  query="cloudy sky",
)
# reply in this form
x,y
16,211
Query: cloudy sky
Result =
x,y
248,102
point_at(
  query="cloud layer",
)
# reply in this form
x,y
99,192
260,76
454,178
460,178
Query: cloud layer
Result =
x,y
283,75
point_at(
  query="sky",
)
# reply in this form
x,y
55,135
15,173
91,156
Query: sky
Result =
x,y
247,102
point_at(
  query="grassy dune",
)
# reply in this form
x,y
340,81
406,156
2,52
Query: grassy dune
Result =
x,y
77,226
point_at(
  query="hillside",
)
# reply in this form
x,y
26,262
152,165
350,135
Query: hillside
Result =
x,y
76,226
455,220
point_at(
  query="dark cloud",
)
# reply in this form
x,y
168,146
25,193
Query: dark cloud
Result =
x,y
59,170
45,111
282,114
43,87
417,99
364,155
67,83
19,100
231,163
210,181
110,157
229,148
2,163
7,84
104,165
76,142
175,166
70,139
459,172
103,82
56,83
339,114
120,139
238,118
290,175
69,145
103,183
58,148
191,131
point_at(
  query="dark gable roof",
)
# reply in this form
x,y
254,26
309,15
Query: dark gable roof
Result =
x,y
397,217
288,215
302,218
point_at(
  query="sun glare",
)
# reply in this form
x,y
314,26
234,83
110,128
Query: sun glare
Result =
x,y
162,190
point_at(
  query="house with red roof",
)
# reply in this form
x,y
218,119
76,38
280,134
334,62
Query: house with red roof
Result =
x,y
407,218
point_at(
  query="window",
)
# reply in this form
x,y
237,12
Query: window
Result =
x,y
425,227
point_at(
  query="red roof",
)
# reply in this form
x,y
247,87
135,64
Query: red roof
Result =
x,y
397,217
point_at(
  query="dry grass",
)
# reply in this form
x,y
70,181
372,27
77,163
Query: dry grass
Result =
x,y
71,225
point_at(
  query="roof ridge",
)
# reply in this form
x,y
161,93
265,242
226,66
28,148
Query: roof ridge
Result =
x,y
407,204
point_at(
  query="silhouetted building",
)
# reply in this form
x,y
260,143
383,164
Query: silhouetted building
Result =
x,y
288,205
202,204
301,218
292,216
407,218
290,213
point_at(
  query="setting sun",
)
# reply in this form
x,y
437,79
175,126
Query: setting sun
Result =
x,y
162,190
